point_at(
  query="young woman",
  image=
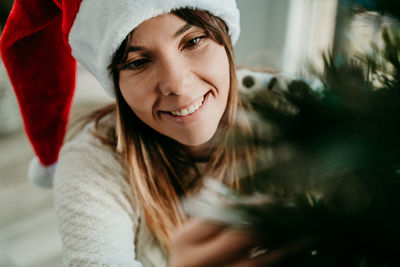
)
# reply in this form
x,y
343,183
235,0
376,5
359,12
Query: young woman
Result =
x,y
119,183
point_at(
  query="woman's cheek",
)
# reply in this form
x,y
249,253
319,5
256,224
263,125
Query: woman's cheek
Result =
x,y
136,92
213,64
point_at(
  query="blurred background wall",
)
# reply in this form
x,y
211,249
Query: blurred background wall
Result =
x,y
5,6
263,25
285,34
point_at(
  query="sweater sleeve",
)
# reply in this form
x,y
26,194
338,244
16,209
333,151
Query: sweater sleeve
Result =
x,y
96,218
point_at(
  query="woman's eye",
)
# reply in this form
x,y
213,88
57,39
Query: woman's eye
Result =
x,y
135,64
194,42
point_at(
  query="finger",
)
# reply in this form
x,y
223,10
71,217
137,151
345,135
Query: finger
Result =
x,y
229,246
197,231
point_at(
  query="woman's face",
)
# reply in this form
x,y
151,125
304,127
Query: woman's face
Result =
x,y
176,79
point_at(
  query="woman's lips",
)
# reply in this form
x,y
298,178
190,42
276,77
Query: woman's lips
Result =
x,y
189,109
188,114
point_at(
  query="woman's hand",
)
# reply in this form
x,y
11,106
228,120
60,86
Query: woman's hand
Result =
x,y
201,243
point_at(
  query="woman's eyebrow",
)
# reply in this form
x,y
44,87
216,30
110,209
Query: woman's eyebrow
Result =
x,y
135,48
185,28
182,30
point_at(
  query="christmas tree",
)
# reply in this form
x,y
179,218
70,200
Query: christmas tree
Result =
x,y
329,161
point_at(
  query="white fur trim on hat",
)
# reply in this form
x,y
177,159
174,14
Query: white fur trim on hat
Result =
x,y
40,175
101,25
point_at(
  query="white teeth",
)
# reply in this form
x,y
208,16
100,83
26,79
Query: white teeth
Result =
x,y
189,110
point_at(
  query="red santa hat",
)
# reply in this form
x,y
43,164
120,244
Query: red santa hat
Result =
x,y
41,42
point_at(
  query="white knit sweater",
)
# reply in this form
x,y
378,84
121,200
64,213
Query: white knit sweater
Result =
x,y
98,224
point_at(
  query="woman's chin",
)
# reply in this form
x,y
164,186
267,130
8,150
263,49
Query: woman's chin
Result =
x,y
195,142
198,142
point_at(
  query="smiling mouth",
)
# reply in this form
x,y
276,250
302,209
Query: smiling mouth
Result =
x,y
188,110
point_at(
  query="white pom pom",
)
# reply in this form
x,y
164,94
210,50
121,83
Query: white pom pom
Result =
x,y
250,82
41,175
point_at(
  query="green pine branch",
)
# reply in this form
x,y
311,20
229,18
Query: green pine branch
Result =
x,y
335,171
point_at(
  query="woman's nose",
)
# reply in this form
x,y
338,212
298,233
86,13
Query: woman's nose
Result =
x,y
174,77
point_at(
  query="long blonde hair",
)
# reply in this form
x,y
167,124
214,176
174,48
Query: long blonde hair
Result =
x,y
158,167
